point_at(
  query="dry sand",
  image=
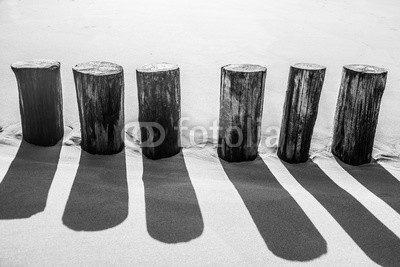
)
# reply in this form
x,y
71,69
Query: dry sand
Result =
x,y
62,206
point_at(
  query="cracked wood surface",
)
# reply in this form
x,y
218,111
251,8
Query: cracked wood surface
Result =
x,y
241,105
300,111
357,112
100,95
40,101
159,96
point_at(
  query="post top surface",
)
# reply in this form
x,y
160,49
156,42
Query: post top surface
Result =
x,y
244,68
308,66
98,68
156,67
36,64
365,68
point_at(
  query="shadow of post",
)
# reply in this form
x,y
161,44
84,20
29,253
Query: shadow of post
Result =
x,y
172,211
285,228
99,195
379,243
25,187
378,180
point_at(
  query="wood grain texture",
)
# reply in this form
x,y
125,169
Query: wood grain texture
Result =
x,y
357,112
40,101
100,94
300,111
241,105
159,96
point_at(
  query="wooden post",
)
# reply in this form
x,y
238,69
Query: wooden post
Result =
x,y
100,94
357,111
159,97
40,101
300,111
241,105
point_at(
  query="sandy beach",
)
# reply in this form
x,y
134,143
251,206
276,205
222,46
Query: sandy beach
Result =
x,y
62,206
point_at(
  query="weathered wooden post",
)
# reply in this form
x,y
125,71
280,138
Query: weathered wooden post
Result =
x,y
241,105
40,101
357,111
300,111
159,97
100,94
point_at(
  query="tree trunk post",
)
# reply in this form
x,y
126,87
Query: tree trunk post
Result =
x,y
159,96
40,101
357,112
241,105
300,111
100,94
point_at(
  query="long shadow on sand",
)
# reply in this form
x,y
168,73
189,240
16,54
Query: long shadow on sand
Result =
x,y
285,228
25,187
99,196
378,180
373,237
172,211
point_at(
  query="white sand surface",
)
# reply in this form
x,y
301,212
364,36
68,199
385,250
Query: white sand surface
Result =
x,y
61,206
202,36
191,209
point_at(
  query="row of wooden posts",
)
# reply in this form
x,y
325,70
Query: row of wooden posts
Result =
x,y
100,96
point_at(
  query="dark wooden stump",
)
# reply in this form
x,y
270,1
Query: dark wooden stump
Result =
x,y
100,94
241,105
300,111
357,111
159,97
40,101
